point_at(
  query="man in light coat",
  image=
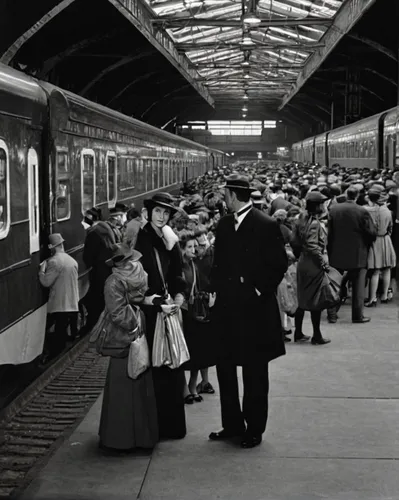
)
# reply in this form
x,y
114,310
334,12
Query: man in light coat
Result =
x,y
59,273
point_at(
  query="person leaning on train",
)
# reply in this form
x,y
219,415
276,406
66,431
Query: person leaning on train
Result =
x,y
59,273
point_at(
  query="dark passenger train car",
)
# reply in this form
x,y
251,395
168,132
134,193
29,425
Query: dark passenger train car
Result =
x,y
60,155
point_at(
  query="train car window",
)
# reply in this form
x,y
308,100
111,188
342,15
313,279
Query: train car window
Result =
x,y
127,173
372,148
63,187
88,180
33,196
166,167
112,177
366,149
174,171
161,179
140,179
4,191
147,165
155,173
101,182
356,149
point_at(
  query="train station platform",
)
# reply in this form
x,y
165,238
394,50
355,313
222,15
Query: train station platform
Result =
x,y
332,434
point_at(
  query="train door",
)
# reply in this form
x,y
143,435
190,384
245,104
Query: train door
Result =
x,y
33,200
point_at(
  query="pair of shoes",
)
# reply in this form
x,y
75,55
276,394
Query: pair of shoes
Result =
x,y
371,303
205,389
251,440
225,434
385,301
301,338
361,320
332,320
192,398
286,332
287,339
320,341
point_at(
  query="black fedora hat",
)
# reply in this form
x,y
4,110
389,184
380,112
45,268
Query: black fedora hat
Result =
x,y
237,181
164,200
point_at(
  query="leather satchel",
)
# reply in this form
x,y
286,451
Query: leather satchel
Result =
x,y
198,302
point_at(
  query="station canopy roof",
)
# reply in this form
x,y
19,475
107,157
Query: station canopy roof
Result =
x,y
252,47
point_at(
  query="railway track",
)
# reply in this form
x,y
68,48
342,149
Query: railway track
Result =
x,y
33,427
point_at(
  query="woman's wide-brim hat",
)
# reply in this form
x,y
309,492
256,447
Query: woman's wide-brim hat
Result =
x,y
237,181
122,252
164,200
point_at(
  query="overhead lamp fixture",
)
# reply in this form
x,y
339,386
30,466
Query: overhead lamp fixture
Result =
x,y
245,109
251,19
246,97
246,75
244,115
246,64
246,40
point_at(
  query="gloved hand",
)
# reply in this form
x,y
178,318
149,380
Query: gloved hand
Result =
x,y
179,299
169,309
212,299
148,301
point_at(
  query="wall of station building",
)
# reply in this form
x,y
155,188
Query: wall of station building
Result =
x,y
267,142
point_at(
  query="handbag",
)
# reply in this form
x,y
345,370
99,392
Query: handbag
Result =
x,y
327,286
169,347
139,354
109,339
198,301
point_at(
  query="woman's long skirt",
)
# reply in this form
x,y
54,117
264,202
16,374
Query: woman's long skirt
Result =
x,y
129,412
169,387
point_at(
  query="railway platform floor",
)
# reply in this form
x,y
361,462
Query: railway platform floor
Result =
x,y
332,434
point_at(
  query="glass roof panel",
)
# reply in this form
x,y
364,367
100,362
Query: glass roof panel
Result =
x,y
211,34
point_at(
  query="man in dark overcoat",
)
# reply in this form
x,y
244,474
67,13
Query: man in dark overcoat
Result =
x,y
351,231
249,263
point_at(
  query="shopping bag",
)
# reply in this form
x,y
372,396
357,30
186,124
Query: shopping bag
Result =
x,y
326,290
177,343
169,348
139,357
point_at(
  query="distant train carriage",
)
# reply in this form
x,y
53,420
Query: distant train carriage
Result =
x,y
390,140
308,150
320,149
61,154
297,151
372,142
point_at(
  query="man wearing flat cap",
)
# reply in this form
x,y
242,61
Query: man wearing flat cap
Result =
x,y
249,263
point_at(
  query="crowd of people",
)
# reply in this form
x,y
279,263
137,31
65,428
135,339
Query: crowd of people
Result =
x,y
215,256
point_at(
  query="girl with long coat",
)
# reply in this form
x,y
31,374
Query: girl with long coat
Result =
x,y
151,241
129,414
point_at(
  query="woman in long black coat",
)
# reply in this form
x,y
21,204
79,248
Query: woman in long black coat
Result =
x,y
168,383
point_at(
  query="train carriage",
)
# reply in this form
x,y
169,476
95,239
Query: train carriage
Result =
x,y
23,169
320,149
308,150
391,142
60,155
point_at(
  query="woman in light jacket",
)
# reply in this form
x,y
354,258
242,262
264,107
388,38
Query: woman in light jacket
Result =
x,y
129,414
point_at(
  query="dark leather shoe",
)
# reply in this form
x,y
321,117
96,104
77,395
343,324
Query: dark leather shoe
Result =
x,y
361,320
224,434
251,440
320,341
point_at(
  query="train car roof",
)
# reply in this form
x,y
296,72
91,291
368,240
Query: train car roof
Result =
x,y
103,111
392,116
297,144
365,125
307,141
23,88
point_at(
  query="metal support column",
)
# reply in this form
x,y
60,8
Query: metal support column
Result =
x,y
353,95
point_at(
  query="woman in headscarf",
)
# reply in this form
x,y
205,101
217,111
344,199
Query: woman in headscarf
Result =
x,y
158,245
129,414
